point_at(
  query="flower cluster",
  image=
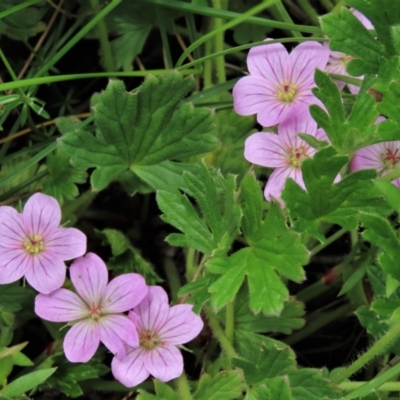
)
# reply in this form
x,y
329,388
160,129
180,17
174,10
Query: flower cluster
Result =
x,y
279,91
143,342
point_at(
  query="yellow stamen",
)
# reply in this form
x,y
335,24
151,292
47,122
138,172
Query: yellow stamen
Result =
x,y
287,92
34,244
149,340
297,156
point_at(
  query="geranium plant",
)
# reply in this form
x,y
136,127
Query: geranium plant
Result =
x,y
200,200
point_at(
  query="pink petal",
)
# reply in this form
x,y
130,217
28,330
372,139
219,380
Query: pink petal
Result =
x,y
62,305
369,157
164,363
321,135
297,123
362,18
13,264
82,341
90,276
152,312
67,243
270,61
249,95
305,58
182,325
274,111
396,182
265,149
277,180
123,293
42,214
115,330
13,233
46,273
131,370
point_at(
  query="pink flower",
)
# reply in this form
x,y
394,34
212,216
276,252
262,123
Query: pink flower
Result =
x,y
337,63
95,312
384,157
285,152
33,244
280,83
160,329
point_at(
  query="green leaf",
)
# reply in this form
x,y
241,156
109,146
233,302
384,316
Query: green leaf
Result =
x,y
127,258
383,16
218,224
396,38
274,249
348,35
164,391
266,363
6,366
223,386
27,382
141,128
12,297
391,193
62,178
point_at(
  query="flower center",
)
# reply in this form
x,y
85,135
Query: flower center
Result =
x,y
287,92
297,155
94,311
391,158
149,340
34,244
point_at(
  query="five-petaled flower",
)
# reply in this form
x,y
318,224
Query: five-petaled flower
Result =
x,y
160,329
285,152
33,244
384,157
95,312
280,83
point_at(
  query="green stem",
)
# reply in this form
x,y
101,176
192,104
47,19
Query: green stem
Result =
x,y
322,320
219,333
229,15
309,10
173,278
327,4
12,10
11,72
60,78
219,44
183,388
285,16
112,386
379,347
328,241
379,383
366,386
391,175
88,27
103,37
229,321
207,66
327,282
241,18
191,266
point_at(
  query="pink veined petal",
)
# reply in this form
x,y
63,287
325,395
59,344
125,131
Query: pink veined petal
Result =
x,y
131,370
270,61
115,330
152,312
368,157
67,243
298,123
164,363
42,214
182,325
321,135
274,111
62,305
265,149
123,293
305,58
90,276
396,182
13,264
353,88
82,341
46,273
249,95
277,180
13,233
